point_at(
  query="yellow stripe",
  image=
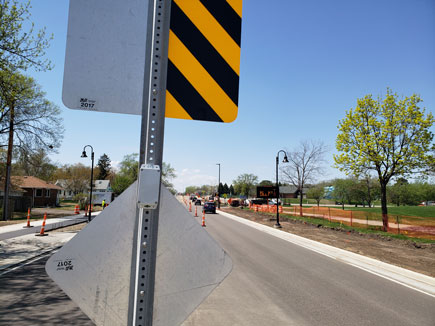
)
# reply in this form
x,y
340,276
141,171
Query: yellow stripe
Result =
x,y
237,6
212,31
201,80
174,109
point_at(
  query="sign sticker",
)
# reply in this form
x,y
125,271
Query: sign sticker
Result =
x,y
64,265
87,104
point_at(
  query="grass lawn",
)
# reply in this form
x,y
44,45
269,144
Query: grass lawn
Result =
x,y
420,211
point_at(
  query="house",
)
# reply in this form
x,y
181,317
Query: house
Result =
x,y
66,192
102,190
291,192
17,201
41,193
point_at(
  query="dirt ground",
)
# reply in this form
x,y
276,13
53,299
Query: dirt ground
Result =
x,y
418,257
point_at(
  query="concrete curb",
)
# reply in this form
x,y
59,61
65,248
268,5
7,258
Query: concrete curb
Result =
x,y
413,280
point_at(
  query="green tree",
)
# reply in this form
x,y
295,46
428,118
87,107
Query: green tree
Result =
x,y
128,173
190,189
168,173
220,189
317,192
426,192
21,48
342,191
390,136
232,192
245,184
226,189
103,166
266,183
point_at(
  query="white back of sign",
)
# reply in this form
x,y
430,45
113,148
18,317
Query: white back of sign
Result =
x,y
94,268
105,55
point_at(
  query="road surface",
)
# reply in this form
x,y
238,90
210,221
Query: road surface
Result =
x,y
275,282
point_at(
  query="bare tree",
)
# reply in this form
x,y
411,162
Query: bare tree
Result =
x,y
305,163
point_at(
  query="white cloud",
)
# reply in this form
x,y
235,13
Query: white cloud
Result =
x,y
192,177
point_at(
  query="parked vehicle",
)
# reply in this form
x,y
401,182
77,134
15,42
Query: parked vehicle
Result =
x,y
210,207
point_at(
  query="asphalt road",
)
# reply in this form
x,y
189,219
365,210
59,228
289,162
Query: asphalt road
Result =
x,y
275,282
29,297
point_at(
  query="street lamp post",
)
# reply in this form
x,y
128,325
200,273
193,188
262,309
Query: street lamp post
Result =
x,y
219,183
285,160
92,177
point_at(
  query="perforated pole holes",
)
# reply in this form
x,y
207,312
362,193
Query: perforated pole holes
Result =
x,y
148,219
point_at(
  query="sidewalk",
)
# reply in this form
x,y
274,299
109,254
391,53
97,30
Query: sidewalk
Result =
x,y
16,230
19,245
26,247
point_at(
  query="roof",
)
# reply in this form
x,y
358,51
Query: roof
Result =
x,y
101,184
290,189
32,182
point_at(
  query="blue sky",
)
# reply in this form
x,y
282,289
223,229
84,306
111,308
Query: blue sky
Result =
x,y
303,64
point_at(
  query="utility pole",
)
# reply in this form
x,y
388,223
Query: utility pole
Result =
x,y
219,183
8,164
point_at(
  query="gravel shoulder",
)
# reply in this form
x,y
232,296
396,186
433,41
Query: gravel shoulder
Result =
x,y
418,257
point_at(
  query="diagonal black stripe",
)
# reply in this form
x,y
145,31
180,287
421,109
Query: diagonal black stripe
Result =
x,y
205,53
226,16
188,97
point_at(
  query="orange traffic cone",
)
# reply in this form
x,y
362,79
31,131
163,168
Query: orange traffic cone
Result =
x,y
77,210
28,220
203,218
196,211
41,233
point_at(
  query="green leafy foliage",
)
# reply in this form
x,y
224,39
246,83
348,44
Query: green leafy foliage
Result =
x,y
389,136
245,184
103,167
21,48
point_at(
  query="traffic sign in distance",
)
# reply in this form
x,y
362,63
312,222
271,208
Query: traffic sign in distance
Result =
x,y
204,60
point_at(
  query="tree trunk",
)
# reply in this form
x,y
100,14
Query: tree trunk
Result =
x,y
384,207
300,197
8,166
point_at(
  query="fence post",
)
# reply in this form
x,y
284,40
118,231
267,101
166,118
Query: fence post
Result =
x,y
351,216
398,228
329,213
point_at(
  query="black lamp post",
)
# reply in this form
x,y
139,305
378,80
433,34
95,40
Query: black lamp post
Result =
x,y
219,183
92,177
285,160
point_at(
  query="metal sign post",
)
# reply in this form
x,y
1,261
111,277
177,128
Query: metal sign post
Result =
x,y
151,152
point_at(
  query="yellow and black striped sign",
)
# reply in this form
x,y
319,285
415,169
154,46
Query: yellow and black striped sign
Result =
x,y
204,60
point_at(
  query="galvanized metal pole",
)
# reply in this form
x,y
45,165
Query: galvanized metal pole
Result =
x,y
151,152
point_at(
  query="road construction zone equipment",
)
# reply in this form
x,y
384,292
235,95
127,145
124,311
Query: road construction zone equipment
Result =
x,y
196,211
77,210
190,206
203,218
28,220
41,233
